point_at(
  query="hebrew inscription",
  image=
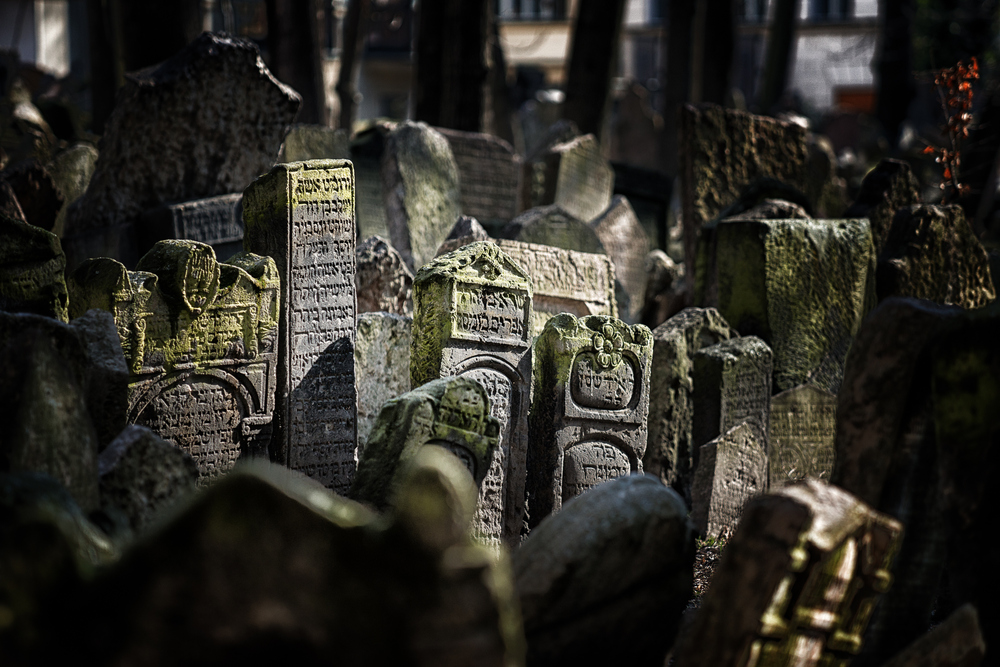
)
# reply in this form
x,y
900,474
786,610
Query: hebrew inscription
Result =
x,y
589,464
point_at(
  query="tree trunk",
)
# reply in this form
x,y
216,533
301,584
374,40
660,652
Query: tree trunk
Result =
x,y
778,55
894,68
452,63
105,65
355,31
677,86
718,37
501,124
593,58
293,50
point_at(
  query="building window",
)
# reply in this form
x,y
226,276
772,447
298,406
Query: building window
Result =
x,y
830,10
532,10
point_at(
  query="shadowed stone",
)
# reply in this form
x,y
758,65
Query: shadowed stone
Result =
x,y
106,384
382,280
367,148
381,365
37,193
488,172
554,226
214,220
72,170
955,642
627,244
314,142
887,188
803,424
731,470
664,293
573,175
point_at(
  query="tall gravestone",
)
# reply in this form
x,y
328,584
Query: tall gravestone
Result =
x,y
367,148
488,172
381,365
627,244
887,188
213,220
588,418
472,318
803,427
302,215
200,339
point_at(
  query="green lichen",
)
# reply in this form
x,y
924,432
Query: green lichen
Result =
x,y
32,266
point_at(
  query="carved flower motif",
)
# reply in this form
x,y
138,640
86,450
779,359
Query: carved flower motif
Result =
x,y
608,345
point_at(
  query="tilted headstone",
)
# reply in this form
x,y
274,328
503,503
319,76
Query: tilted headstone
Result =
x,y
636,129
725,150
803,286
302,216
669,445
797,582
200,339
203,123
214,220
32,264
573,175
488,173
367,148
887,188
420,186
606,579
803,427
382,280
732,385
554,226
315,142
381,365
627,245
731,470
472,318
588,417
453,413
932,253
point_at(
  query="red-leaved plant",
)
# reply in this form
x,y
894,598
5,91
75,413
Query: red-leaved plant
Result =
x,y
954,85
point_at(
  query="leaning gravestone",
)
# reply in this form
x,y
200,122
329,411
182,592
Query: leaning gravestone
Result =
x,y
420,185
72,170
453,413
554,226
488,176
803,426
214,220
472,318
382,281
573,175
669,445
205,122
887,188
302,216
381,365
731,470
803,286
627,244
588,418
797,582
200,339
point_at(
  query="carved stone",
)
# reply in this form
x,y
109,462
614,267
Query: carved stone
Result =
x,y
488,176
627,245
731,470
382,280
554,226
588,418
200,340
472,318
367,148
803,426
573,175
381,365
214,220
887,188
302,216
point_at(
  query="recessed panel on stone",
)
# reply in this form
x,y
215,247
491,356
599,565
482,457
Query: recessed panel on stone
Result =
x,y
803,425
302,215
472,318
591,398
214,220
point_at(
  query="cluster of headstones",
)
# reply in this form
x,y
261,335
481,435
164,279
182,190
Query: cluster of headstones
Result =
x,y
515,406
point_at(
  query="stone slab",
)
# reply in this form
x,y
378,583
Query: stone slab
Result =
x,y
627,245
381,365
731,470
803,426
216,221
488,172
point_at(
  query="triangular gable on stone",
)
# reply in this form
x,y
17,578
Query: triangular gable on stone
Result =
x,y
478,263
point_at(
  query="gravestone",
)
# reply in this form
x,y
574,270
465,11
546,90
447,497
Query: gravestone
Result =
x,y
649,193
664,293
627,245
731,469
803,428
36,192
797,582
367,148
931,253
472,318
381,365
606,579
453,413
573,175
302,216
588,417
669,445
554,226
732,385
382,281
465,231
314,142
32,264
887,188
72,170
803,286
421,190
203,123
200,340
488,172
636,129
214,220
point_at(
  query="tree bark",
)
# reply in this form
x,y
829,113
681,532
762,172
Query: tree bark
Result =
x,y
593,58
355,31
294,54
677,88
778,54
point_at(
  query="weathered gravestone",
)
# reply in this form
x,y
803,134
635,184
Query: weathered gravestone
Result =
x,y
803,286
731,470
606,579
72,170
627,245
472,318
931,253
381,365
573,175
669,445
732,385
314,142
797,582
367,148
214,220
887,188
664,294
453,413
649,193
554,226
420,186
205,122
302,216
488,171
382,280
636,129
200,340
588,417
465,231
268,566
803,425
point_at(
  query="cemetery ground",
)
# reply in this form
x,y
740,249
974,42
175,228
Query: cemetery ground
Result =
x,y
274,394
